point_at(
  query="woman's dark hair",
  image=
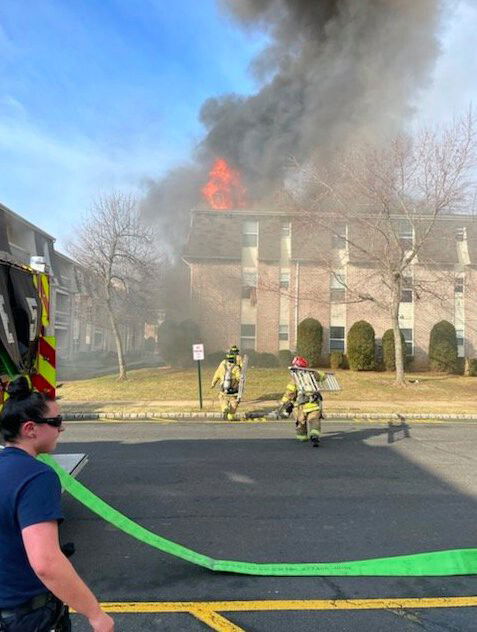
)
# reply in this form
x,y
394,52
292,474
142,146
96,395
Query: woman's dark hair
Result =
x,y
23,404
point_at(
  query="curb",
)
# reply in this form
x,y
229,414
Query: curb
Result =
x,y
144,415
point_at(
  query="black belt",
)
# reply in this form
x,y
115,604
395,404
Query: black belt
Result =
x,y
38,601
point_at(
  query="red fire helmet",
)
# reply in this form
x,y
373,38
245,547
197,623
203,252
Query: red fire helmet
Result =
x,y
300,362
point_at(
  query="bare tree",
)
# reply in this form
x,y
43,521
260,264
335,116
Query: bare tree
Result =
x,y
389,198
115,248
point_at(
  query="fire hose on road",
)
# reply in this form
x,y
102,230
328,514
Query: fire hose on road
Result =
x,y
434,563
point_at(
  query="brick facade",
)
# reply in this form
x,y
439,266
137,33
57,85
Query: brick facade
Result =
x,y
304,278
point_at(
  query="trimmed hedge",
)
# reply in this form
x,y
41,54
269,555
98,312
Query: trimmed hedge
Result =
x,y
389,357
267,360
443,348
214,359
261,360
337,360
360,347
310,340
285,356
472,367
176,340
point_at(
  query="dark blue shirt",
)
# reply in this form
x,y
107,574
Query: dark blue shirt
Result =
x,y
30,493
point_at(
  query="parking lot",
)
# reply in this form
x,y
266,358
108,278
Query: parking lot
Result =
x,y
249,492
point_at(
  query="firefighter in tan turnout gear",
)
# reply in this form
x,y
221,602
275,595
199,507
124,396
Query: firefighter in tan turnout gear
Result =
x,y
303,398
228,373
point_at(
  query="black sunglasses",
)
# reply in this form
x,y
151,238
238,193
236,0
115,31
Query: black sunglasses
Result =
x,y
51,421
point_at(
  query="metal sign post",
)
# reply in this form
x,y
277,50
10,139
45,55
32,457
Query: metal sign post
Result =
x,y
198,355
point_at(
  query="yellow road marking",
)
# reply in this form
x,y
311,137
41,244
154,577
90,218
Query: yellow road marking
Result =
x,y
214,620
298,604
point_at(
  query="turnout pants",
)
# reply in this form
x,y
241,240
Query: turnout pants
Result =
x,y
308,424
228,404
53,615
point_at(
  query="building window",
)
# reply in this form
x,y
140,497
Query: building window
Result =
x,y
337,287
461,234
406,290
459,285
408,341
249,286
283,332
284,280
250,234
247,337
378,351
286,229
98,340
337,339
338,238
405,233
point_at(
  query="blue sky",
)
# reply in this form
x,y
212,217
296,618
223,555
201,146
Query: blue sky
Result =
x,y
96,95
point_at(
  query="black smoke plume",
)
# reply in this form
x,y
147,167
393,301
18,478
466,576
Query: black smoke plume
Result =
x,y
334,72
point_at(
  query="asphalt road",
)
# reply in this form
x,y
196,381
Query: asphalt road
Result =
x,y
250,492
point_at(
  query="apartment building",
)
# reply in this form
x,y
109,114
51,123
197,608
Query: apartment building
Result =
x,y
76,319
23,240
256,275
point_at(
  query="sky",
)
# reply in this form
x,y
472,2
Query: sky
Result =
x,y
100,96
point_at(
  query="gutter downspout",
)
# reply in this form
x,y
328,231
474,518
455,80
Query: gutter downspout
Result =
x,y
297,290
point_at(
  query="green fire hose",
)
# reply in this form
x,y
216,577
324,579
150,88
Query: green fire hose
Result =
x,y
435,563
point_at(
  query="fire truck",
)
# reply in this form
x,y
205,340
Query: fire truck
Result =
x,y
26,348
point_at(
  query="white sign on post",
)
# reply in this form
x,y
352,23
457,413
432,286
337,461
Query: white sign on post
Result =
x,y
198,352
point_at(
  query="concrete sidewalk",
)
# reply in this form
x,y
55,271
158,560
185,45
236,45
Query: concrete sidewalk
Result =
x,y
242,417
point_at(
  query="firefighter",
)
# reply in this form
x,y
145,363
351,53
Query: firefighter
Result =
x,y
228,374
234,350
307,407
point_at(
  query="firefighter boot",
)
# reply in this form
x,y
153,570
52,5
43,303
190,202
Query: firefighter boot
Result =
x,y
315,438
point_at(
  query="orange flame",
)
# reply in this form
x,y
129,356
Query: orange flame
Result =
x,y
224,190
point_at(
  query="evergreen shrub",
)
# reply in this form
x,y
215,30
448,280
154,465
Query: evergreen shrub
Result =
x,y
337,360
267,360
285,356
360,347
310,340
443,348
389,357
214,359
472,370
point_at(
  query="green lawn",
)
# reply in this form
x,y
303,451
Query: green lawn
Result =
x,y
165,389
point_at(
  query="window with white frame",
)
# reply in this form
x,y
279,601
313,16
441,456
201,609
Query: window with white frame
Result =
x,y
286,229
408,341
247,337
337,339
284,280
283,332
337,287
249,284
250,233
459,285
339,236
406,290
461,233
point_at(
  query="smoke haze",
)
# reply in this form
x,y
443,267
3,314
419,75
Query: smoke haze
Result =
x,y
334,72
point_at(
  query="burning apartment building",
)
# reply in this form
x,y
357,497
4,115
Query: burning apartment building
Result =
x,y
256,274
333,75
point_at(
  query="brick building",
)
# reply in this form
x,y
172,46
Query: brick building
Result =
x,y
255,275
